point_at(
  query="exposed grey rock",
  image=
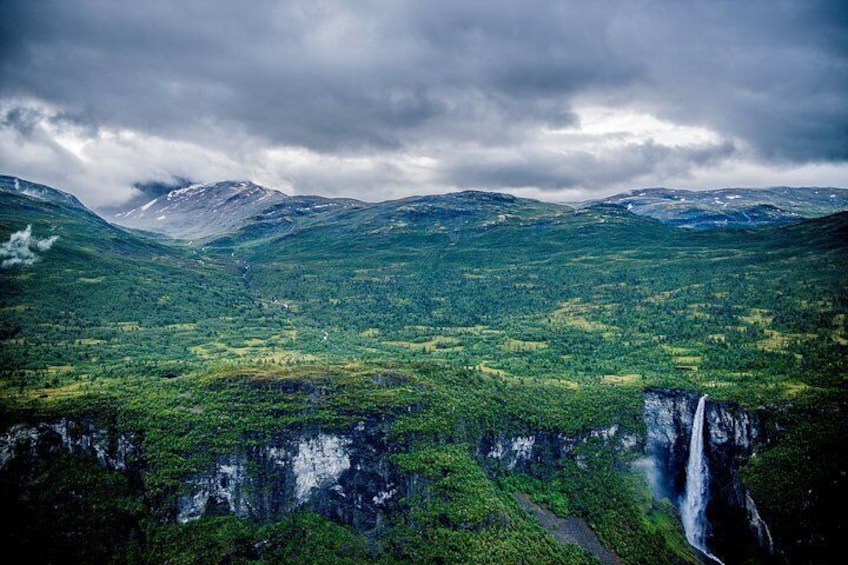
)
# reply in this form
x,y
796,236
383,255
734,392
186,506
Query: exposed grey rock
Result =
x,y
732,436
538,450
731,207
347,476
26,443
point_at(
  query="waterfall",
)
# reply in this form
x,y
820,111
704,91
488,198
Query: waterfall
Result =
x,y
693,509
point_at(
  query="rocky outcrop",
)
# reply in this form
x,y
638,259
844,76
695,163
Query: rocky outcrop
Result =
x,y
732,436
23,444
536,452
350,476
346,475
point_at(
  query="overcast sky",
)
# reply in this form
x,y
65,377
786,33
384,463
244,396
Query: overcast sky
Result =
x,y
376,99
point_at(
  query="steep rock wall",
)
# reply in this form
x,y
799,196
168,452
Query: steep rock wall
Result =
x,y
536,451
347,474
732,437
22,444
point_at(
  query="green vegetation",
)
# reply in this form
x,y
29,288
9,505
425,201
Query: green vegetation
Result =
x,y
447,325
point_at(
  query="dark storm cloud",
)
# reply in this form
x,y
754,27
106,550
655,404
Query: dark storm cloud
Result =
x,y
550,171
327,76
771,73
378,76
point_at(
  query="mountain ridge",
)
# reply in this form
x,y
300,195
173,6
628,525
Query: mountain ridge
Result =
x,y
735,208
241,210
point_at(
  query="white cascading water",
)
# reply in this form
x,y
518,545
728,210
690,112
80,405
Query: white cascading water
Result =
x,y
693,508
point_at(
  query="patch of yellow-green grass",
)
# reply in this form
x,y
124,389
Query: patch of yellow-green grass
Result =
x,y
57,369
688,359
54,394
575,314
201,351
626,379
89,341
286,357
435,343
823,304
839,334
483,368
562,382
370,333
777,341
187,326
214,348
697,311
421,329
473,330
19,308
758,317
522,345
793,388
92,280
585,324
677,350
717,383
285,335
129,326
659,297
698,315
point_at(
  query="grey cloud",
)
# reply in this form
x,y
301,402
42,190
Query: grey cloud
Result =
x,y
324,76
21,119
550,171
772,74
393,76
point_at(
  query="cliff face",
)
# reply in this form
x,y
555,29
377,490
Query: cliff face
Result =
x,y
536,452
350,476
347,476
732,436
24,444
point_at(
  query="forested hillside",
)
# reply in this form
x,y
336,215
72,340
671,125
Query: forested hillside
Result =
x,y
401,355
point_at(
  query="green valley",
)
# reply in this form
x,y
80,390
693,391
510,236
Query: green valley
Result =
x,y
394,382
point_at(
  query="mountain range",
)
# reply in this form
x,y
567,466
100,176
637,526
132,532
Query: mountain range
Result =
x,y
740,208
204,210
245,376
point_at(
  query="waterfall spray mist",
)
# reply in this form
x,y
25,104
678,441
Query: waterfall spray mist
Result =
x,y
693,509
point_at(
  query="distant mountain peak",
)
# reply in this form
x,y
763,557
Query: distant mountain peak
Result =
x,y
201,209
484,196
731,207
228,185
